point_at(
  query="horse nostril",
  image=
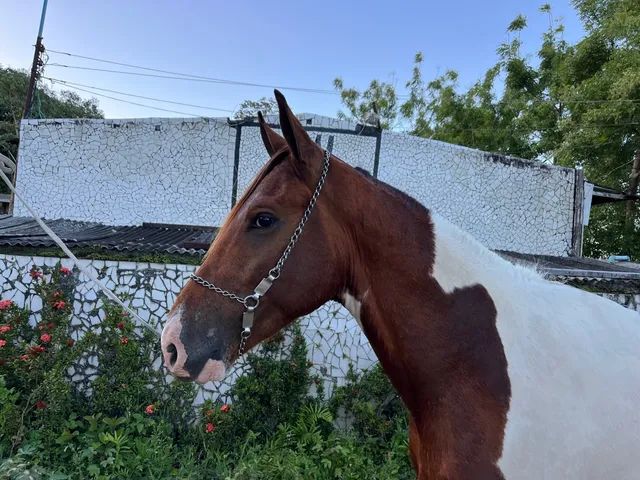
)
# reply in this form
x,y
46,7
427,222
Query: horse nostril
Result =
x,y
173,354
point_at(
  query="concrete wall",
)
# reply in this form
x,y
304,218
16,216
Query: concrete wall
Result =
x,y
334,339
181,171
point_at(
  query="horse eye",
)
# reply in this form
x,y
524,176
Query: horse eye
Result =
x,y
263,220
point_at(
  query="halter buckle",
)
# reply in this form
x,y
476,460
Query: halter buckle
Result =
x,y
251,302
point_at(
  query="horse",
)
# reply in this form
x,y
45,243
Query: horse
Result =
x,y
505,375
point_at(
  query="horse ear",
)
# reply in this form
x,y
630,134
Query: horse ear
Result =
x,y
306,155
272,141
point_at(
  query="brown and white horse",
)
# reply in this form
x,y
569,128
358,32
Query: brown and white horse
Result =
x,y
505,374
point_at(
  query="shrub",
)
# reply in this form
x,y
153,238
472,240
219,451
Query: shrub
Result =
x,y
127,421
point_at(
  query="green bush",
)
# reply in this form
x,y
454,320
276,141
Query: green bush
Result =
x,y
127,421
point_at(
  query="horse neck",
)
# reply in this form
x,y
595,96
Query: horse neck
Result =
x,y
405,263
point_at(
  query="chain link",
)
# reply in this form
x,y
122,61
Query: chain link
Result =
x,y
305,216
250,302
221,291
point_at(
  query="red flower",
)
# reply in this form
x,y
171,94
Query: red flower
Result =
x,y
210,427
2,342
24,358
5,328
124,340
5,304
40,405
45,338
225,408
70,342
37,349
120,325
35,273
65,271
150,410
59,305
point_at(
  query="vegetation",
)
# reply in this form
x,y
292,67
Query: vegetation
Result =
x,y
250,108
126,421
571,104
46,104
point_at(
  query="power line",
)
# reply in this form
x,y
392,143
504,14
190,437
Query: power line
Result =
x,y
181,76
301,89
72,84
134,103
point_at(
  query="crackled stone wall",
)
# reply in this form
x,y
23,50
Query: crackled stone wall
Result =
x,y
629,300
125,172
506,203
357,150
181,171
334,339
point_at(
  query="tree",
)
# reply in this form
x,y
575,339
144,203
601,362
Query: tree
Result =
x,y
375,105
47,104
250,108
570,105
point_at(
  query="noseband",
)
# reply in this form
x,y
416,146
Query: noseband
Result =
x,y
251,302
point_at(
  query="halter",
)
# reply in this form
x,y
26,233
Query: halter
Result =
x,y
251,302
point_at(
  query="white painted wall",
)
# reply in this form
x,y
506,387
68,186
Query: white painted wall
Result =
x,y
180,171
334,339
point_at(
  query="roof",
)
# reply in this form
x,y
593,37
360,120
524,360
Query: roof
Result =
x,y
148,237
602,194
574,266
195,240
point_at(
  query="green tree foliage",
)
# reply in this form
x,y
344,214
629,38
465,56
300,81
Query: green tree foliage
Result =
x,y
46,104
250,108
569,104
125,420
379,100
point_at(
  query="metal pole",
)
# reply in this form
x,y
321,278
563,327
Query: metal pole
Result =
x,y
34,66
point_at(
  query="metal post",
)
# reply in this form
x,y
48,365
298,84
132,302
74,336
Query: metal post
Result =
x,y
36,63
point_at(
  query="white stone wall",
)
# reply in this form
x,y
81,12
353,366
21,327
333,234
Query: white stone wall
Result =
x,y
507,204
180,171
334,339
125,172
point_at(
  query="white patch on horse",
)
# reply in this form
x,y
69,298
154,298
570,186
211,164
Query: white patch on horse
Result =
x,y
354,306
573,362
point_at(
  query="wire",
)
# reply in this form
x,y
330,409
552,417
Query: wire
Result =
x,y
618,168
133,103
71,84
194,78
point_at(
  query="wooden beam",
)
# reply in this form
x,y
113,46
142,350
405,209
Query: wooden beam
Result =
x,y
578,211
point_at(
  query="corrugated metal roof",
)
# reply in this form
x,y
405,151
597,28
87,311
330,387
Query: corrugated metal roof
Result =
x,y
195,240
182,239
574,266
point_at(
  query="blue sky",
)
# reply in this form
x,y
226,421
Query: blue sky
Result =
x,y
298,43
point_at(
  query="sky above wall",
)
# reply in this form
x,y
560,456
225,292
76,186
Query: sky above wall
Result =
x,y
287,43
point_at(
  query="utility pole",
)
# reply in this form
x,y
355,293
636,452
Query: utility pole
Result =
x,y
634,181
37,62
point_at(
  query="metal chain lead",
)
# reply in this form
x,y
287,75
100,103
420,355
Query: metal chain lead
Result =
x,y
252,301
305,216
